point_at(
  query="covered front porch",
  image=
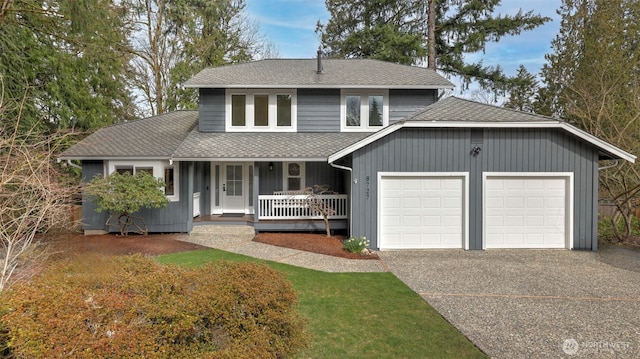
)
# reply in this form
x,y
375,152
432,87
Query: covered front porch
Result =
x,y
270,196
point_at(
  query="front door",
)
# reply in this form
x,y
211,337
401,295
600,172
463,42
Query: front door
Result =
x,y
233,189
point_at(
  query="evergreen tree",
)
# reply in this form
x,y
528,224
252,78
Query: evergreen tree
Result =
x,y
63,59
592,81
393,30
523,91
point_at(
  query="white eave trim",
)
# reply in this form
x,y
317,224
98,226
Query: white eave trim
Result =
x,y
322,86
606,147
128,158
250,159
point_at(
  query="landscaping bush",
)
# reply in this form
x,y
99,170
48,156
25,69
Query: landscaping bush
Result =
x,y
133,307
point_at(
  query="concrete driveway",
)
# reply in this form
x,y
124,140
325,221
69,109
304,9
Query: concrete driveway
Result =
x,y
532,303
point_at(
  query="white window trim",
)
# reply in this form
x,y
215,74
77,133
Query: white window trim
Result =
x,y
273,111
364,109
285,175
158,172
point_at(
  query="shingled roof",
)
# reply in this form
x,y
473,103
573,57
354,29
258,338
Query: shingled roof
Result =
x,y
264,146
175,136
457,109
154,137
302,73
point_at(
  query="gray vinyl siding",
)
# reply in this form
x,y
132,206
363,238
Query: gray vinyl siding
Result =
x,y
402,103
176,217
503,150
269,180
318,110
320,173
316,173
92,220
211,110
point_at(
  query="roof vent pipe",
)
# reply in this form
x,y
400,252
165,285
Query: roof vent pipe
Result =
x,y
319,60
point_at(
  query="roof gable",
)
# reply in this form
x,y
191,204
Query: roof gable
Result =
x,y
302,73
454,112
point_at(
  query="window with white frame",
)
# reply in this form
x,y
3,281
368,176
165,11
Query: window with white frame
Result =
x,y
159,169
264,110
293,176
364,110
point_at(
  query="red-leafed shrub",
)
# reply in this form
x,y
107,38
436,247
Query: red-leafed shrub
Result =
x,y
132,307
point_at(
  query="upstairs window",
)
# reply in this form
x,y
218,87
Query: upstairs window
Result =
x,y
261,110
363,110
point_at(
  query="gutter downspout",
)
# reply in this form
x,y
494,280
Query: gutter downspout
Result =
x,y
350,170
70,164
615,163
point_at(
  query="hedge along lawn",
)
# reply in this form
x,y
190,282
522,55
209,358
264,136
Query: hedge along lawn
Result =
x,y
359,315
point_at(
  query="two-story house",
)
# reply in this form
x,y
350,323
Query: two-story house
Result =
x,y
405,170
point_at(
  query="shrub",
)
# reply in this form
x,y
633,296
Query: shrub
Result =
x,y
355,245
133,307
122,195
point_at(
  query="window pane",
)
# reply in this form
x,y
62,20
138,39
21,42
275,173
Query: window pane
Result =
x,y
294,184
168,182
294,169
284,110
123,170
148,170
261,110
375,110
238,103
353,110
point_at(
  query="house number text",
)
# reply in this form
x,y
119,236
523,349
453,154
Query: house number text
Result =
x,y
367,186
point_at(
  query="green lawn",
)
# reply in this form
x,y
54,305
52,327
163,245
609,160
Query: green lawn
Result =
x,y
359,315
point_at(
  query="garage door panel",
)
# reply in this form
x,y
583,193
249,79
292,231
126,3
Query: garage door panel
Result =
x,y
430,211
534,214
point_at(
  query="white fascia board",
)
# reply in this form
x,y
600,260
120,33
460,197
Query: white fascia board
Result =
x,y
603,145
323,86
367,140
607,147
250,159
129,158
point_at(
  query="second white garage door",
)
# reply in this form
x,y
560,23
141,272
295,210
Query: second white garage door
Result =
x,y
527,211
420,211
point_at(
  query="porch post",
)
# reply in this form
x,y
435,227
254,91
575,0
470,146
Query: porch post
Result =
x,y
189,194
256,191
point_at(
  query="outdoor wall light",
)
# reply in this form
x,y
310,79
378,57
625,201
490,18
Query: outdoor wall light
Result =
x,y
476,150
270,166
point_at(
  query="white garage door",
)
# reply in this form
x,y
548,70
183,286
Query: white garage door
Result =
x,y
418,212
526,212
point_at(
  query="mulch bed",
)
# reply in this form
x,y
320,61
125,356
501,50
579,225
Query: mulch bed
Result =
x,y
157,244
111,244
311,242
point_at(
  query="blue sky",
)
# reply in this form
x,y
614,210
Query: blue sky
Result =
x,y
290,25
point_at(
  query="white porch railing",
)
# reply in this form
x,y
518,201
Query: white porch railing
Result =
x,y
284,206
